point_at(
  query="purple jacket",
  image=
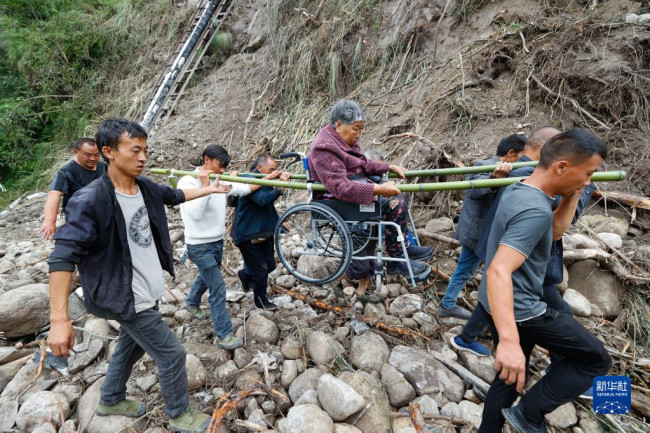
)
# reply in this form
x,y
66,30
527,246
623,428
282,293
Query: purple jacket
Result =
x,y
332,162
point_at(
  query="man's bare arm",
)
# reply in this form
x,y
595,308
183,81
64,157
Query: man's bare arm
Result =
x,y
61,336
51,210
510,359
563,215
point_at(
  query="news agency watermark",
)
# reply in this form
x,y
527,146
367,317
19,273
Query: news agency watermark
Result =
x,y
612,395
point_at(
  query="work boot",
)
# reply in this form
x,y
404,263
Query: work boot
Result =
x,y
518,421
400,268
126,407
197,312
190,421
245,282
459,312
419,253
229,342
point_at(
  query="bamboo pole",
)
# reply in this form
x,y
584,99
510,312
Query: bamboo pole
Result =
x,y
430,172
417,187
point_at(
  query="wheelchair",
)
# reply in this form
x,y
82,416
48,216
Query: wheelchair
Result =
x,y
317,240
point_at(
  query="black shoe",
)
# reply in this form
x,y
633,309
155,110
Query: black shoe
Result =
x,y
419,253
245,283
400,268
266,305
518,421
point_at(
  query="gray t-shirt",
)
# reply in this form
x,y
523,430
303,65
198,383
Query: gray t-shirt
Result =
x,y
148,282
523,221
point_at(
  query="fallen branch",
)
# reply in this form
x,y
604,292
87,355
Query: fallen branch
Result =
x,y
222,408
450,419
438,237
586,253
464,373
632,200
416,417
441,274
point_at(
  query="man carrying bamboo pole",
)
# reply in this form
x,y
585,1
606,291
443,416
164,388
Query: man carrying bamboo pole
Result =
x,y
511,294
475,207
116,234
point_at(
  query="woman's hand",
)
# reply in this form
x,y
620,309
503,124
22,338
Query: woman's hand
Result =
x,y
397,170
387,189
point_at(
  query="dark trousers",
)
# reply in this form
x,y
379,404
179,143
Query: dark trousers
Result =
x,y
259,262
584,357
478,321
148,333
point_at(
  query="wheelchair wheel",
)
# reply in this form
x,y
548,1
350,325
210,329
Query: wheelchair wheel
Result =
x,y
360,234
313,243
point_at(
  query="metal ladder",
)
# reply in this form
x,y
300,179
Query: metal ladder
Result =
x,y
181,65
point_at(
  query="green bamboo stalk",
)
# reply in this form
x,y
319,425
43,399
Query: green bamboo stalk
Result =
x,y
603,176
430,172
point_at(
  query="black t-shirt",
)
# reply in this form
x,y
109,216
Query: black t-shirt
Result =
x,y
72,177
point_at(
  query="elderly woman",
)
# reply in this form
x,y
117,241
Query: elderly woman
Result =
x,y
337,161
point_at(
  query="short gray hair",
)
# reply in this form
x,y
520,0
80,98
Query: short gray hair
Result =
x,y
347,111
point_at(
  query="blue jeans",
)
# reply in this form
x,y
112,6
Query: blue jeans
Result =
x,y
468,263
207,258
148,333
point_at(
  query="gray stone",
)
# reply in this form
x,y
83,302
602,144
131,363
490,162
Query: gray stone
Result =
x,y
309,397
612,239
451,409
42,407
45,428
226,369
406,305
289,372
72,391
262,330
400,391
393,290
102,424
196,374
146,382
601,223
337,397
10,353
374,310
601,287
85,354
403,425
247,379
308,418
286,281
304,382
341,332
210,355
257,417
315,266
428,406
426,374
590,424
98,327
345,428
24,310
482,366
306,313
70,427
565,279
359,327
369,352
580,305
323,348
439,225
563,416
291,349
8,412
471,412
375,416
21,384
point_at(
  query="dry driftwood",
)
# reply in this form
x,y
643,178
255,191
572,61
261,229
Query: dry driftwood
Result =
x,y
416,417
438,237
586,253
632,200
463,373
